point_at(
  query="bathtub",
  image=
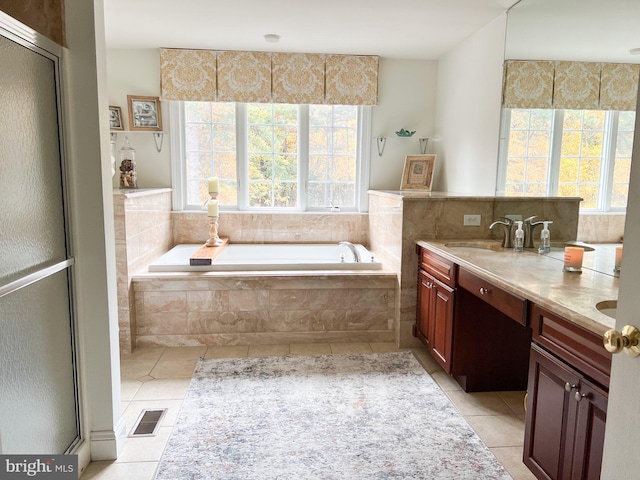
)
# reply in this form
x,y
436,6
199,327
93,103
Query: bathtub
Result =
x,y
253,257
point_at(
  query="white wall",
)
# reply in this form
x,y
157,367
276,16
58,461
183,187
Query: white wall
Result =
x,y
468,112
406,99
137,72
406,92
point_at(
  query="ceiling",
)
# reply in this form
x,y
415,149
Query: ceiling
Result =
x,y
406,29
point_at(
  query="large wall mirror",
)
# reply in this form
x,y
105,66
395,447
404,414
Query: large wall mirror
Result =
x,y
579,30
571,31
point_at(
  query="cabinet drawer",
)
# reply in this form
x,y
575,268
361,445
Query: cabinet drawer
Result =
x,y
439,267
574,344
506,302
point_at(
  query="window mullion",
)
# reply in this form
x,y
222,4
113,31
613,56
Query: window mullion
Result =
x,y
503,151
242,157
303,155
608,160
556,153
178,156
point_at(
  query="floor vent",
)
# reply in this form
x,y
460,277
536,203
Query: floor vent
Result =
x,y
148,422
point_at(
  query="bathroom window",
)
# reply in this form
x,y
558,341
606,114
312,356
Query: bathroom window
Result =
x,y
584,153
270,156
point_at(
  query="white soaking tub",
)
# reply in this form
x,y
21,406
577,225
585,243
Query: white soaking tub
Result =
x,y
248,257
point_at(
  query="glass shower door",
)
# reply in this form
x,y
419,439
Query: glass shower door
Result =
x,y
38,385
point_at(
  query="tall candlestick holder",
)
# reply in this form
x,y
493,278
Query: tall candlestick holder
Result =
x,y
214,239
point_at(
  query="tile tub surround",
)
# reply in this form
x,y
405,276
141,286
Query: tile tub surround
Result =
x,y
142,220
398,218
248,308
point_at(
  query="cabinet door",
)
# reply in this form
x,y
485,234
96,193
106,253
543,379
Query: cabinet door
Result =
x,y
551,408
442,319
425,325
588,438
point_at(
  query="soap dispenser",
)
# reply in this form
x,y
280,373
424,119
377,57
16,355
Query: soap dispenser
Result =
x,y
545,238
519,240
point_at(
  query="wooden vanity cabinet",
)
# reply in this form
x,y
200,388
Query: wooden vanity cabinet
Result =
x,y
567,399
435,312
566,414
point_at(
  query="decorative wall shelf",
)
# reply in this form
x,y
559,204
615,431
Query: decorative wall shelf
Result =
x,y
158,137
382,141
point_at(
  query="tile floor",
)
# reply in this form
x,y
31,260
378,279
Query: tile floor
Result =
x,y
159,377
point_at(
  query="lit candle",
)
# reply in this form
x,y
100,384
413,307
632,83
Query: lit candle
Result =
x,y
618,259
212,208
213,185
573,259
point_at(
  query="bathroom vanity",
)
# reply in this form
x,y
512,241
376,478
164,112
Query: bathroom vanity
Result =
x,y
499,320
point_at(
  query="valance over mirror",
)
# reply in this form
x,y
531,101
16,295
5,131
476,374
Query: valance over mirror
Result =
x,y
263,77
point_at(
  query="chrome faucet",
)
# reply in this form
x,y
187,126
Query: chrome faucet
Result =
x,y
507,225
354,250
529,225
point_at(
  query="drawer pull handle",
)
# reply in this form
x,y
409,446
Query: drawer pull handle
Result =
x,y
484,291
568,387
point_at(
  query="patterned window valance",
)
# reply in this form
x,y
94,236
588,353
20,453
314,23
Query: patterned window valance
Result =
x,y
262,77
570,85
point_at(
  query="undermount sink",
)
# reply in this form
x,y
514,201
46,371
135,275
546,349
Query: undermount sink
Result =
x,y
608,307
489,245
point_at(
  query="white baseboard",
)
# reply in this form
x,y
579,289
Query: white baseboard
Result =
x,y
108,444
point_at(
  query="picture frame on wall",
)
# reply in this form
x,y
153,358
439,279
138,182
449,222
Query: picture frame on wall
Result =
x,y
418,172
115,118
144,113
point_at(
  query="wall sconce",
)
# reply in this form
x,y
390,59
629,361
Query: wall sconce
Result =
x,y
423,145
381,141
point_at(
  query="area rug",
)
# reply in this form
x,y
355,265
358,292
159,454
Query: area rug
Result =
x,y
342,417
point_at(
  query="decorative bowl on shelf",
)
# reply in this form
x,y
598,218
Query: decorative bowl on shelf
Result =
x,y
404,133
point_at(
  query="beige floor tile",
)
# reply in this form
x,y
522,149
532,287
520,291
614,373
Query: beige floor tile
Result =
x,y
128,389
310,349
227,351
145,449
515,401
134,409
143,353
350,348
174,368
446,381
134,369
183,353
386,347
426,360
119,471
485,403
268,350
498,430
511,459
163,389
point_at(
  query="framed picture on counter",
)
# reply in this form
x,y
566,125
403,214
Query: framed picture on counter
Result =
x,y
418,172
115,118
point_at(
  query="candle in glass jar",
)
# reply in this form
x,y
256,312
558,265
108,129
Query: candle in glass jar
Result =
x,y
212,208
618,259
573,259
214,186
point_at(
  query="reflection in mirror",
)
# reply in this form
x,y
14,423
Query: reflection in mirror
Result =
x,y
577,30
572,150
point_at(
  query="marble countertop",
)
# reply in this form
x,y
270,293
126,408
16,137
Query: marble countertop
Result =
x,y
539,278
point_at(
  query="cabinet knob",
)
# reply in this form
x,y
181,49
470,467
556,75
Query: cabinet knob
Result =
x,y
579,396
627,340
484,291
568,387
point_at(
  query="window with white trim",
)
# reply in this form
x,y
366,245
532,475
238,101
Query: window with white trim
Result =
x,y
272,156
567,153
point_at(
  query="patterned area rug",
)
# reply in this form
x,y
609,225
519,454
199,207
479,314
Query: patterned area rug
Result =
x,y
343,417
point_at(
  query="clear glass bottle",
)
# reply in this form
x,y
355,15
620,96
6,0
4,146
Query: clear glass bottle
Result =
x,y
128,175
